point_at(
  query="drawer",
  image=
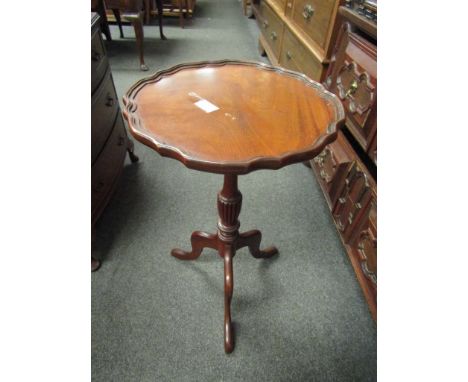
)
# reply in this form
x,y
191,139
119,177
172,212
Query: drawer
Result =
x,y
314,17
272,28
363,252
331,167
107,168
99,62
352,201
294,54
353,77
104,108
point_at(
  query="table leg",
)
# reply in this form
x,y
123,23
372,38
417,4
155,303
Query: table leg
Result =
x,y
252,240
228,253
227,241
199,240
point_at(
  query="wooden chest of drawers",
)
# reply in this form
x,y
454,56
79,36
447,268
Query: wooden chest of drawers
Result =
x,y
346,169
109,141
298,34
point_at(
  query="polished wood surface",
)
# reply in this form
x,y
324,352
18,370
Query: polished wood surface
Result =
x,y
346,169
351,194
308,26
109,141
227,241
267,118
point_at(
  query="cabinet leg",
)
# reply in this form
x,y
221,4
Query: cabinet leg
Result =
x,y
95,264
130,149
261,49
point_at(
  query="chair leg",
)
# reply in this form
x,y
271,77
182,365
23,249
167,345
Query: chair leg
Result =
x,y
181,15
116,13
101,10
147,12
159,5
138,26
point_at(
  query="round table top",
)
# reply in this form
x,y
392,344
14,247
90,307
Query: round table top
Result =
x,y
232,116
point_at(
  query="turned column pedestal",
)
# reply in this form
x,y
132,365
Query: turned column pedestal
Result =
x,y
227,241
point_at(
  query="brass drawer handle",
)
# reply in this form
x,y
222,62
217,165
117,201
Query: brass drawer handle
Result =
x,y
350,218
308,12
95,56
288,55
273,36
352,88
265,24
109,101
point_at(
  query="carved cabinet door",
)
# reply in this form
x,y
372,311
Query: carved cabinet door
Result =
x,y
352,76
331,166
363,246
352,201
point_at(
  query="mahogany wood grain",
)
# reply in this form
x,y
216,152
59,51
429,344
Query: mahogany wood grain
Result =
x,y
266,117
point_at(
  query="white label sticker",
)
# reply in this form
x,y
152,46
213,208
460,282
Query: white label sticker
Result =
x,y
206,106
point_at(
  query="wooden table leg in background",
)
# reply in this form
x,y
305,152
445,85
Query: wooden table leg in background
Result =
x,y
227,241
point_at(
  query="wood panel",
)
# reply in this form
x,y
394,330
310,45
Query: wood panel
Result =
x,y
351,194
363,254
272,28
104,109
107,168
294,54
352,75
99,61
314,18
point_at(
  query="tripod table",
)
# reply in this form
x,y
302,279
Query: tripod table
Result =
x,y
231,117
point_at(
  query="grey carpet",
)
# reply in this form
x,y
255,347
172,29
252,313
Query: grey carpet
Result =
x,y
298,317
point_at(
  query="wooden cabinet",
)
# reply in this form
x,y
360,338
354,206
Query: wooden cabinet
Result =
x,y
109,141
352,76
362,251
346,169
298,34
